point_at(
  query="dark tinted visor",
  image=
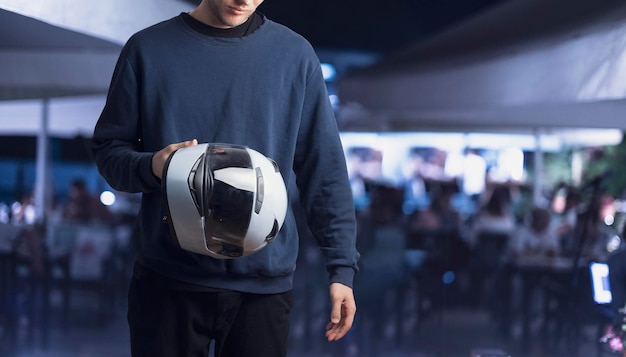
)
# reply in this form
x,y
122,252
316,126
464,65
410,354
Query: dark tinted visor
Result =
x,y
226,208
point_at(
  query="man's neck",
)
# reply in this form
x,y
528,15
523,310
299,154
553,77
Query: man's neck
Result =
x,y
202,14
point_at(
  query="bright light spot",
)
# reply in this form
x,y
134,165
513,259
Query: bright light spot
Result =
x,y
620,206
107,198
614,243
334,100
609,219
510,165
599,275
328,71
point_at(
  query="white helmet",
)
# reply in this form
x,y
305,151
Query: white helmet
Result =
x,y
223,200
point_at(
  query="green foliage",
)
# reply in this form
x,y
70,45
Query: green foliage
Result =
x,y
608,160
557,168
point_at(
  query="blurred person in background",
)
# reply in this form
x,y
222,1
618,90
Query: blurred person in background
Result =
x,y
23,211
83,207
22,234
537,237
474,174
566,207
495,216
440,214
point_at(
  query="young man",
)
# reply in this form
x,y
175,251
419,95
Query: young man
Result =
x,y
224,73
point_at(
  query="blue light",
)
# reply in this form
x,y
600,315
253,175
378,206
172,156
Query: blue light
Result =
x,y
328,71
448,277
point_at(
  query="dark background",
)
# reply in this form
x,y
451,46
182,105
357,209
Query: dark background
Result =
x,y
377,26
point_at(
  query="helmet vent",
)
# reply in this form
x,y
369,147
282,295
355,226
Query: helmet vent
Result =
x,y
194,181
260,188
276,168
270,237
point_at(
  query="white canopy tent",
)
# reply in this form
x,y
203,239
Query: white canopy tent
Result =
x,y
57,59
113,20
40,62
64,52
523,65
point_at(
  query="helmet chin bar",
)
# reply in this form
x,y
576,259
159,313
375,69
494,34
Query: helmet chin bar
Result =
x,y
221,247
222,200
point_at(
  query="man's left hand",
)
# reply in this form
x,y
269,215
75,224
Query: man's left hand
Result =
x,y
342,313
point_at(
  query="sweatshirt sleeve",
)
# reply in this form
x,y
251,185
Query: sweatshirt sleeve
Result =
x,y
322,181
117,140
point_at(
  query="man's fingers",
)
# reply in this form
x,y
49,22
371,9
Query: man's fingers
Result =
x,y
337,331
161,156
173,147
349,316
335,313
188,143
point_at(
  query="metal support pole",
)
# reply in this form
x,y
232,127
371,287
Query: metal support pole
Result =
x,y
42,193
538,170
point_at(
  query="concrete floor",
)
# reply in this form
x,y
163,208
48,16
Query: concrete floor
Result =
x,y
387,324
451,332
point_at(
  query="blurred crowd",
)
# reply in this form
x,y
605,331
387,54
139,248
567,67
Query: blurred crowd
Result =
x,y
454,236
428,241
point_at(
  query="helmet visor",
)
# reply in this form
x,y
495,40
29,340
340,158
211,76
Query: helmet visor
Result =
x,y
226,209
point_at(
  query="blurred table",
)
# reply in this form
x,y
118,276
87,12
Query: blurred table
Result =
x,y
553,277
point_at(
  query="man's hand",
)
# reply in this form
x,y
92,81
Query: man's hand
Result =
x,y
342,313
160,157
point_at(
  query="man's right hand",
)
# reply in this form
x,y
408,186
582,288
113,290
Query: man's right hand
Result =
x,y
161,156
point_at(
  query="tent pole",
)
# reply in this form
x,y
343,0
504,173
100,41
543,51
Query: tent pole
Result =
x,y
538,170
42,172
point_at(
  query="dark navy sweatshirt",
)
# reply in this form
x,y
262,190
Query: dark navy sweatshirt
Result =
x,y
264,90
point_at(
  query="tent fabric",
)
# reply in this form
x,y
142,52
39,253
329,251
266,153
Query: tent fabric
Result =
x,y
523,65
39,60
113,20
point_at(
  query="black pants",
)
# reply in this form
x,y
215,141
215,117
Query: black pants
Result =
x,y
166,322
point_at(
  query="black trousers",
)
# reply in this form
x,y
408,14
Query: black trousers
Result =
x,y
167,322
